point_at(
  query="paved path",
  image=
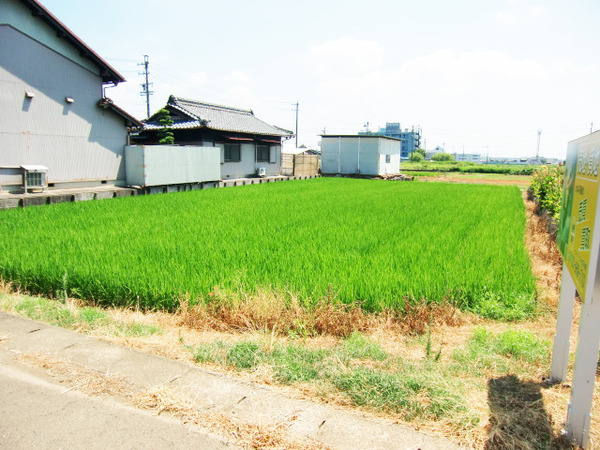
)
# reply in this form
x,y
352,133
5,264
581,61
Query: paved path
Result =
x,y
47,417
38,413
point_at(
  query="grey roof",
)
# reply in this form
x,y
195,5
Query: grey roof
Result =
x,y
216,117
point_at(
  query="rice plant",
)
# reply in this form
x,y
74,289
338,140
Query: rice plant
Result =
x,y
376,242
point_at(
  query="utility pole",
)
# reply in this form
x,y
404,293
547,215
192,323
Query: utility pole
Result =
x,y
537,153
591,127
146,86
296,105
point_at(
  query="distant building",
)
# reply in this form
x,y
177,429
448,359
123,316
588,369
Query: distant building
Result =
x,y
411,138
470,157
360,155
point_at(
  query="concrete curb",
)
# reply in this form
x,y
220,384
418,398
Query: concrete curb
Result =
x,y
215,392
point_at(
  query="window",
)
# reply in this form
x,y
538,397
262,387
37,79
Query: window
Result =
x,y
388,159
232,153
263,153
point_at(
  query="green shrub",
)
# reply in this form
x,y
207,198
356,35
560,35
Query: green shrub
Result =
x,y
442,157
416,157
546,186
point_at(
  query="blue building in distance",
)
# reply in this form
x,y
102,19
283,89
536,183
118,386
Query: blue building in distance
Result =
x,y
411,138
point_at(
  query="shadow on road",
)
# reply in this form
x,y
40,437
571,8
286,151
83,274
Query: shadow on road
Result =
x,y
518,417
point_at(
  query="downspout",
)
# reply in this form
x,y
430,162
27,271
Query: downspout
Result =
x,y
339,155
358,157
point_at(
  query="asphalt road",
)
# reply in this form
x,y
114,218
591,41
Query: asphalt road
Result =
x,y
37,413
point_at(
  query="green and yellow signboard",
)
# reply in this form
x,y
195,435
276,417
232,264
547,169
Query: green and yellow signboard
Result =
x,y
578,210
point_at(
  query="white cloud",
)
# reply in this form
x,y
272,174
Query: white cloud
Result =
x,y
506,18
345,55
237,76
537,10
476,99
241,97
519,13
197,78
442,74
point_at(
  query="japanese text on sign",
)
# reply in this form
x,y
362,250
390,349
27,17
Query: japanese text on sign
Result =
x,y
578,211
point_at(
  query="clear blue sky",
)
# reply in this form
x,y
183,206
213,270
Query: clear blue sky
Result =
x,y
485,75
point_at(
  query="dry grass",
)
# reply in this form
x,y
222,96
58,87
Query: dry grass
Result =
x,y
282,314
545,257
80,378
247,435
165,401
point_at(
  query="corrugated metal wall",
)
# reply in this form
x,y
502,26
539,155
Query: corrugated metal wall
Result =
x,y
350,155
77,141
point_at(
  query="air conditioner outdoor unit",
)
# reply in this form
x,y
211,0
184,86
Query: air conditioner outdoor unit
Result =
x,y
34,177
261,171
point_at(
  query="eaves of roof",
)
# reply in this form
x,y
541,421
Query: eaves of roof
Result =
x,y
109,75
107,103
186,125
362,136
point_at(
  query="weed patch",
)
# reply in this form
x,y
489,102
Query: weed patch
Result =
x,y
244,355
360,346
52,312
414,391
510,351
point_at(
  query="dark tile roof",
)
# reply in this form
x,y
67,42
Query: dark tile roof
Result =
x,y
188,114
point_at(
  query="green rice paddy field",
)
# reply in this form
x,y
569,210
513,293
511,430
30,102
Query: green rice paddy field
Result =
x,y
377,242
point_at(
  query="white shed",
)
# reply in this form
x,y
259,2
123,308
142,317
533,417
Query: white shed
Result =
x,y
360,155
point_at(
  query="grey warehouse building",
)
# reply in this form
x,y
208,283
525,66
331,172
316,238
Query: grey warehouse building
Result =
x,y
53,110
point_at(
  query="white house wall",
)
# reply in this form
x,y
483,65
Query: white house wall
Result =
x,y
392,148
78,142
248,165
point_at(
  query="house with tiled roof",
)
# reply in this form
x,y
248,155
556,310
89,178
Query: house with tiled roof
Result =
x,y
54,114
248,145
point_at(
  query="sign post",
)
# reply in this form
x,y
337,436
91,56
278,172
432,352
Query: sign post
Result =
x,y
579,243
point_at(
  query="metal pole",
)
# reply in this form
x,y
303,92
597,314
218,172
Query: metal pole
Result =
x,y
146,86
537,153
296,105
584,374
560,351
